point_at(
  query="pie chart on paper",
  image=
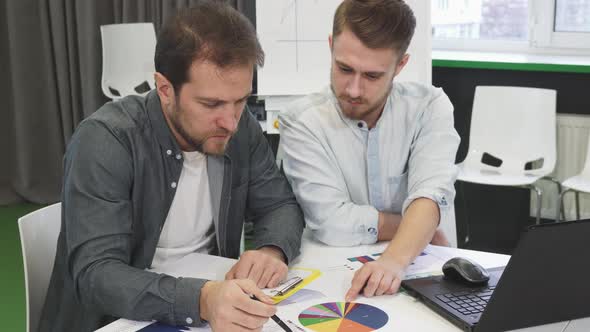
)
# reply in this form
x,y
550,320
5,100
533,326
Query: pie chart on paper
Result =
x,y
343,317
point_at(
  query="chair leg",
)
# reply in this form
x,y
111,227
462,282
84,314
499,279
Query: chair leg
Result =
x,y
560,206
467,238
577,205
539,193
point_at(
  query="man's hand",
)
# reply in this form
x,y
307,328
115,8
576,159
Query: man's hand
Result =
x,y
385,275
375,278
265,266
227,306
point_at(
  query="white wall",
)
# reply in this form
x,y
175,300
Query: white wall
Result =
x,y
294,35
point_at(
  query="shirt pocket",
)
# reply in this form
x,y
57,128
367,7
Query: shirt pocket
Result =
x,y
396,192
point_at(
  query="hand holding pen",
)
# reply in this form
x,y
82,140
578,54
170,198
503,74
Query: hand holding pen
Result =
x,y
228,306
275,318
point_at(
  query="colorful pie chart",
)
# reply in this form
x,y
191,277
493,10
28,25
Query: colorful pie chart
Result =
x,y
343,317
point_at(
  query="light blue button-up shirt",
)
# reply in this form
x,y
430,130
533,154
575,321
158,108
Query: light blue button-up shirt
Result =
x,y
343,173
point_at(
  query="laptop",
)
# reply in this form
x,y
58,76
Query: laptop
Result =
x,y
547,280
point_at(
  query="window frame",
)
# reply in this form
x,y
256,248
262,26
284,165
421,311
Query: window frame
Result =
x,y
543,32
542,37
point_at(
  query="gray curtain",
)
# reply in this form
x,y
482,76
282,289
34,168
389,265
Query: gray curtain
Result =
x,y
51,60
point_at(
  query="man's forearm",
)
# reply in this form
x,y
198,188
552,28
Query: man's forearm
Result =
x,y
388,225
415,231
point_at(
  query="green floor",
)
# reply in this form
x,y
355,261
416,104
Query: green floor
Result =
x,y
12,300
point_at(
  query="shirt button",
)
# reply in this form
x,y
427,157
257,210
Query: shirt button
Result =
x,y
189,320
178,156
372,230
360,124
169,152
173,185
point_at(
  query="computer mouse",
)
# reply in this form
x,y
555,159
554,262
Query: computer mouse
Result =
x,y
466,271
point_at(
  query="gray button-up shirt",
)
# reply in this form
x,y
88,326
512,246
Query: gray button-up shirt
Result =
x,y
121,171
343,173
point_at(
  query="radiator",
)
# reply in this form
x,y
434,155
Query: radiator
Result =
x,y
572,144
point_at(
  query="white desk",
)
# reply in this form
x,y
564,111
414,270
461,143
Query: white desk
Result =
x,y
405,313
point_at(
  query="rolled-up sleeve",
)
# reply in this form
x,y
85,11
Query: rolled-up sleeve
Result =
x,y
320,187
432,171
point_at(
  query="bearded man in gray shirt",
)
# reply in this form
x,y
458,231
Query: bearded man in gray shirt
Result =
x,y
150,179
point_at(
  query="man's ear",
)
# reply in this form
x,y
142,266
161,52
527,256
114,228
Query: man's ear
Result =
x,y
330,40
401,64
164,89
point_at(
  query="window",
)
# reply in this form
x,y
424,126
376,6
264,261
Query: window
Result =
x,y
572,16
510,25
480,19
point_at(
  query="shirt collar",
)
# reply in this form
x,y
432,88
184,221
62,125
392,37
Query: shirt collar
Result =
x,y
360,124
160,126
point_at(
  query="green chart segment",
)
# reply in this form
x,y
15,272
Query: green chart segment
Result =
x,y
343,317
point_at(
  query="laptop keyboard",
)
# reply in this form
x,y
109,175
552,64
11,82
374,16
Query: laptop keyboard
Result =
x,y
468,303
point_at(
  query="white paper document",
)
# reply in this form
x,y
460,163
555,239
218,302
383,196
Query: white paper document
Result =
x,y
337,267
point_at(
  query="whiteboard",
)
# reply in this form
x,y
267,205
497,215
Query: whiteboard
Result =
x,y
294,36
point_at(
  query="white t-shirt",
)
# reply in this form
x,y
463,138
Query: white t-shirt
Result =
x,y
189,225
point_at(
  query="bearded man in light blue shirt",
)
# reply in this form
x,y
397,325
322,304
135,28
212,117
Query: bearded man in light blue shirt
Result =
x,y
370,159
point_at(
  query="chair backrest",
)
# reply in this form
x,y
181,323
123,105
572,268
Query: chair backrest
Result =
x,y
127,59
39,231
514,124
586,170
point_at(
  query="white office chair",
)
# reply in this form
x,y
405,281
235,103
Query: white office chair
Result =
x,y
38,236
127,59
512,139
576,184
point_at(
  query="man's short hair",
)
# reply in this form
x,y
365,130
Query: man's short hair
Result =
x,y
377,23
210,31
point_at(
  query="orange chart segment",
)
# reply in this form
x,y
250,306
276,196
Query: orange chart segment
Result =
x,y
343,317
347,325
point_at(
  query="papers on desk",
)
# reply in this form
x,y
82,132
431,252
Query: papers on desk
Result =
x,y
192,266
429,261
330,286
296,280
124,325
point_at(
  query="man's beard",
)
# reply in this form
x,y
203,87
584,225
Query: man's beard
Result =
x,y
195,143
376,107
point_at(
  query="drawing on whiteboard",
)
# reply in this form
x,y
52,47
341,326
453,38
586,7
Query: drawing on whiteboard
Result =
x,y
294,36
291,11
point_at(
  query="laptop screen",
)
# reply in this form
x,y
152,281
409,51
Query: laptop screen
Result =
x,y
546,280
